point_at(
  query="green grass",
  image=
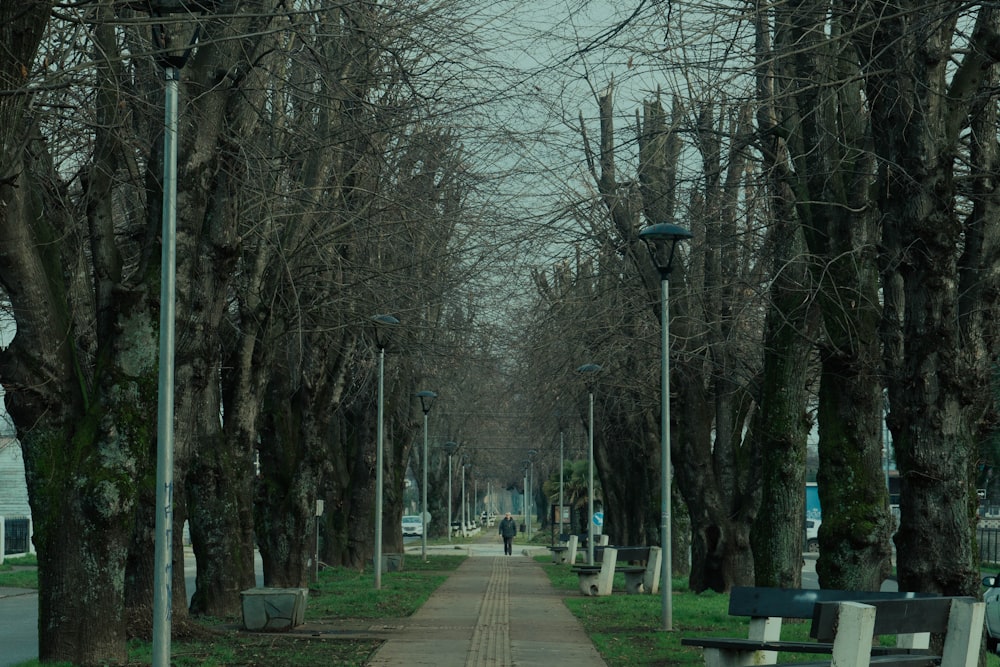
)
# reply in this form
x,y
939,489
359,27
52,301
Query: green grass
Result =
x,y
343,593
340,594
624,628
19,572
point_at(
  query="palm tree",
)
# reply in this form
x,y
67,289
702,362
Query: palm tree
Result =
x,y
575,475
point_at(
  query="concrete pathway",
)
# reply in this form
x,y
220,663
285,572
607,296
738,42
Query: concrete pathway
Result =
x,y
494,610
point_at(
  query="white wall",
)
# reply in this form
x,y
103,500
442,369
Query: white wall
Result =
x,y
13,489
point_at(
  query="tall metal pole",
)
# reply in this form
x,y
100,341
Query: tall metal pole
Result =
x,y
656,237
531,494
590,483
163,565
378,471
665,462
449,497
423,493
527,501
560,482
463,500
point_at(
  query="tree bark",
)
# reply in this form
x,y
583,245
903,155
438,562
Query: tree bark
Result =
x,y
831,167
938,338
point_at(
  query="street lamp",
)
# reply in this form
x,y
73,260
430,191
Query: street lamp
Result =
x,y
531,484
527,499
380,321
464,466
172,59
661,240
426,401
560,421
588,371
450,448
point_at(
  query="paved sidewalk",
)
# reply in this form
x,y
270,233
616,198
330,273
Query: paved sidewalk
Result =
x,y
494,610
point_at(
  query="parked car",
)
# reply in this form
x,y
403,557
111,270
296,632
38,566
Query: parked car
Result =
x,y
412,525
812,535
992,599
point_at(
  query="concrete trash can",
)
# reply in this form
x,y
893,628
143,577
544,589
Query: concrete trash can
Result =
x,y
271,609
392,562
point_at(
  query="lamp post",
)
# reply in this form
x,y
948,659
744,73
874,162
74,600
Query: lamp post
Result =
x,y
464,466
450,448
661,239
531,484
171,57
380,321
560,476
588,371
527,496
426,401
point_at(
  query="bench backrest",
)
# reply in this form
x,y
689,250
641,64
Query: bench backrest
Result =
x,y
798,602
850,625
892,617
625,554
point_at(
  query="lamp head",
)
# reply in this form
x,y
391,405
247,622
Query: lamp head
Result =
x,y
381,322
177,6
450,447
661,239
426,400
173,53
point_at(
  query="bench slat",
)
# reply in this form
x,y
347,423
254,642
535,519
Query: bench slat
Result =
x,y
799,603
886,660
735,644
895,617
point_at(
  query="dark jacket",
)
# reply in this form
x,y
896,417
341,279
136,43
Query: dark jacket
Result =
x,y
508,528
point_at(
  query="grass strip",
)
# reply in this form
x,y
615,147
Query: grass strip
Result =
x,y
340,594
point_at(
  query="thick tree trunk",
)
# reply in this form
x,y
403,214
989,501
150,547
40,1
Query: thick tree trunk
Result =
x,y
721,515
80,579
349,488
781,427
939,287
854,539
285,504
140,575
822,166
220,488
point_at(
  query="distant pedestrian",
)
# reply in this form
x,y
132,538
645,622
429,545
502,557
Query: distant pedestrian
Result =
x,y
508,529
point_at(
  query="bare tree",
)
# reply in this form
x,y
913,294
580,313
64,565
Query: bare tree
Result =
x,y
934,130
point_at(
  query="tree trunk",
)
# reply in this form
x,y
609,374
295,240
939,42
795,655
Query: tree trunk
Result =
x,y
349,487
721,515
781,424
939,287
822,164
289,484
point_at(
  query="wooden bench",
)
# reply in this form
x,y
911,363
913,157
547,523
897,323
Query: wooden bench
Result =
x,y
912,617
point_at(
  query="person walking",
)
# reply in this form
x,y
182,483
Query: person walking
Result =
x,y
508,529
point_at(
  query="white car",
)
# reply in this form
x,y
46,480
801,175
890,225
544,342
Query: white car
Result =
x,y
992,599
412,525
812,535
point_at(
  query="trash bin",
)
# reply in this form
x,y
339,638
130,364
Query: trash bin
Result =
x,y
522,527
273,609
392,562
